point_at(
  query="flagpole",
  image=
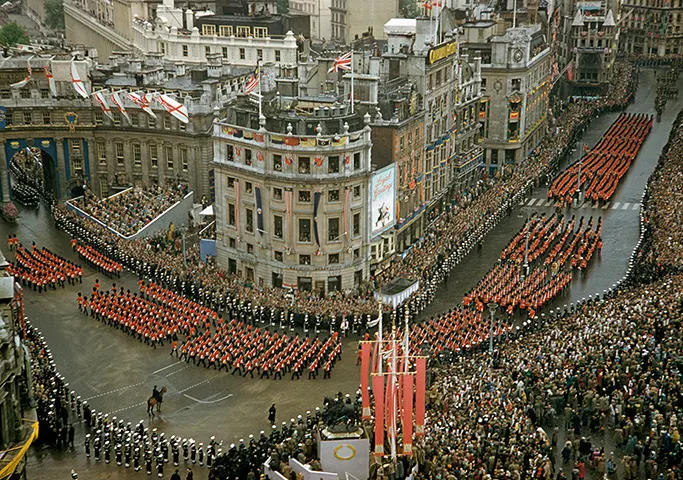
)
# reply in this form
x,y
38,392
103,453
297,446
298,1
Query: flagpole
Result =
x,y
352,102
379,363
258,71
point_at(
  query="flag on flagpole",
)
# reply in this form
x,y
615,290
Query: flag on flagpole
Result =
x,y
116,100
143,102
102,101
50,81
253,82
175,108
24,82
341,63
77,82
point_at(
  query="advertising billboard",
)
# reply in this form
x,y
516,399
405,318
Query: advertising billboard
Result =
x,y
382,200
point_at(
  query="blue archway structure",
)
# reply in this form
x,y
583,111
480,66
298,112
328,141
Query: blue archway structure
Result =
x,y
48,148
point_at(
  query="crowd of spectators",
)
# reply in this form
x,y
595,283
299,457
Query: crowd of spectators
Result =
x,y
129,211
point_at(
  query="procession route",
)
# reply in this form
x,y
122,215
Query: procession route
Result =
x,y
206,402
114,391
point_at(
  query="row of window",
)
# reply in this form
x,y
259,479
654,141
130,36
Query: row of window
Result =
x,y
24,93
304,232
304,195
241,52
303,164
136,150
238,31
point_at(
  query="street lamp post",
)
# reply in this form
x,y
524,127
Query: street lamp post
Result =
x,y
492,306
526,245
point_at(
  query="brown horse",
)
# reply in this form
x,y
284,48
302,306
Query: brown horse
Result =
x,y
151,401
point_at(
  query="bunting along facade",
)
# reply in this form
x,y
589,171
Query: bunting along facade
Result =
x,y
104,105
50,80
174,107
27,78
116,100
143,102
76,81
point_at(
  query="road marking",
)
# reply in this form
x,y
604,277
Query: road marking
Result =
x,y
199,383
532,201
127,408
606,206
595,205
178,371
114,391
167,366
625,206
549,202
206,402
616,205
635,206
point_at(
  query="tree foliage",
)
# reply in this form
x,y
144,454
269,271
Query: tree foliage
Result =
x,y
408,8
12,33
54,14
282,6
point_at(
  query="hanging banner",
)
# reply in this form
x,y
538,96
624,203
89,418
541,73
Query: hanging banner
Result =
x,y
259,211
316,204
365,379
407,414
420,385
378,391
345,213
288,206
383,200
237,207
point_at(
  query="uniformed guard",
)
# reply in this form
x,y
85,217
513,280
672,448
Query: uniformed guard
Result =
x,y
86,444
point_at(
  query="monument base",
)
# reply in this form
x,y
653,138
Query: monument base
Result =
x,y
345,452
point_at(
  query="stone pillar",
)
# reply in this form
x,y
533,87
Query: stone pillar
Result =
x,y
61,168
144,153
4,175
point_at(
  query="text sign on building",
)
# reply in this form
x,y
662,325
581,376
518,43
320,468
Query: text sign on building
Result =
x,y
442,51
383,200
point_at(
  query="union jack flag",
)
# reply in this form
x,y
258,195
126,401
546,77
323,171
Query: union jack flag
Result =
x,y
253,82
341,63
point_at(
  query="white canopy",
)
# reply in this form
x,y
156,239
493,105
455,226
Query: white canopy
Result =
x,y
207,211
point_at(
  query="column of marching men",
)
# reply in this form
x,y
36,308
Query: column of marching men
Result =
x,y
158,315
601,169
41,269
96,260
549,249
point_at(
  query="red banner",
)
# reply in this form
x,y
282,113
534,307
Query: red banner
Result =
x,y
407,414
378,391
365,379
420,385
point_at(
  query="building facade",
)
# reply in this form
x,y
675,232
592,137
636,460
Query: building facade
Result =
x,y
591,35
76,143
16,391
652,27
516,84
397,138
292,199
184,34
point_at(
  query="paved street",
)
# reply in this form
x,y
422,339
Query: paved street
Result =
x,y
116,373
620,217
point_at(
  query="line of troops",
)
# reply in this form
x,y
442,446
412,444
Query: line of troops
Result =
x,y
244,349
96,260
238,346
42,269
